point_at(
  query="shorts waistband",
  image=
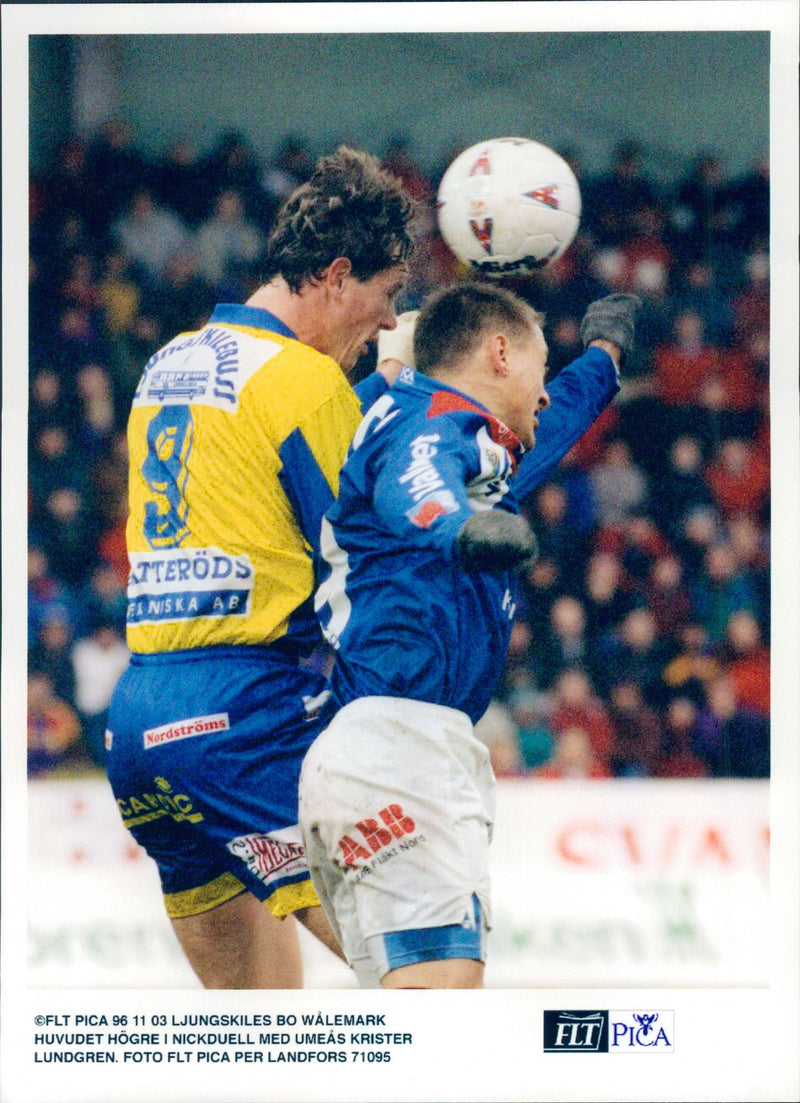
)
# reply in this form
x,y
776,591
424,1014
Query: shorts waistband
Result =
x,y
404,707
271,653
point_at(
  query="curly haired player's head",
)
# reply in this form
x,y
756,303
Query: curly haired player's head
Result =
x,y
350,207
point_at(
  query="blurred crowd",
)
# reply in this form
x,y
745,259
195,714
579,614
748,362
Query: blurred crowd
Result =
x,y
641,648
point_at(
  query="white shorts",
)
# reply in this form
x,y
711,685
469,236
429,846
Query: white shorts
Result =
x,y
396,807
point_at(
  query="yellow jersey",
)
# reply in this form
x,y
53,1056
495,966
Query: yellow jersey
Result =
x,y
236,437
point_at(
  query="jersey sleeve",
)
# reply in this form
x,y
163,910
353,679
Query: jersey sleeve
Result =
x,y
370,389
420,483
311,457
578,395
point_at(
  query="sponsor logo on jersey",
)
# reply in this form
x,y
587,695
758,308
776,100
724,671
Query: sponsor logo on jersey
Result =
x,y
177,384
182,584
421,478
608,1031
210,367
269,859
185,729
437,505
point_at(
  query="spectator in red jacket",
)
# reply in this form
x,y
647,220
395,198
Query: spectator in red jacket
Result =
x,y
577,706
573,758
748,666
685,364
739,478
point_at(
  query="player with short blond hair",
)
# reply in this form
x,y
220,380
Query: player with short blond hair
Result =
x,y
421,548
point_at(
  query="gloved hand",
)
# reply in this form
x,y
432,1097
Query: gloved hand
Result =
x,y
495,541
611,319
398,343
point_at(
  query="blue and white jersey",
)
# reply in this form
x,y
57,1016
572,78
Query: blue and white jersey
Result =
x,y
403,616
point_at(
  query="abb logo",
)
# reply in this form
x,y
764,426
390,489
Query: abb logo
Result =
x,y
396,824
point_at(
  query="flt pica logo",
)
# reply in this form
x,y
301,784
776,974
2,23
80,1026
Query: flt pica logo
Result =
x,y
576,1032
609,1031
641,1031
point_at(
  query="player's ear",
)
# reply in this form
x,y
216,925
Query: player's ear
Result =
x,y
497,347
337,273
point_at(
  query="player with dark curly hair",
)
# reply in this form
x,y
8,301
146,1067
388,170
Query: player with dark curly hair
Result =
x,y
237,434
345,209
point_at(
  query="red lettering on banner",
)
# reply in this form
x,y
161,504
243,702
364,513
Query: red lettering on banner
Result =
x,y
670,844
569,836
598,845
631,845
712,845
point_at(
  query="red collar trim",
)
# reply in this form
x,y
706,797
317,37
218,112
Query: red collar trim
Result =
x,y
445,402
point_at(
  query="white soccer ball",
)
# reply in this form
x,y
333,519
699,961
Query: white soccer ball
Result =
x,y
508,206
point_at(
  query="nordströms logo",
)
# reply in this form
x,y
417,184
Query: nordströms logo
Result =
x,y
609,1031
184,729
576,1032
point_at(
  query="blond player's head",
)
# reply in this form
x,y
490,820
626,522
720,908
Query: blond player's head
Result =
x,y
486,341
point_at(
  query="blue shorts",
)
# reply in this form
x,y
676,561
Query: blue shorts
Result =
x,y
204,755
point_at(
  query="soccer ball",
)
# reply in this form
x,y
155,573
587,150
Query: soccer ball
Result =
x,y
508,206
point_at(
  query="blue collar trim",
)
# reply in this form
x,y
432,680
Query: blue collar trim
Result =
x,y
234,314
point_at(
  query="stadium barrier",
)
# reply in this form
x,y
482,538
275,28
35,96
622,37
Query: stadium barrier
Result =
x,y
610,884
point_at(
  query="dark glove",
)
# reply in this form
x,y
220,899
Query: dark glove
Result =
x,y
496,541
611,319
